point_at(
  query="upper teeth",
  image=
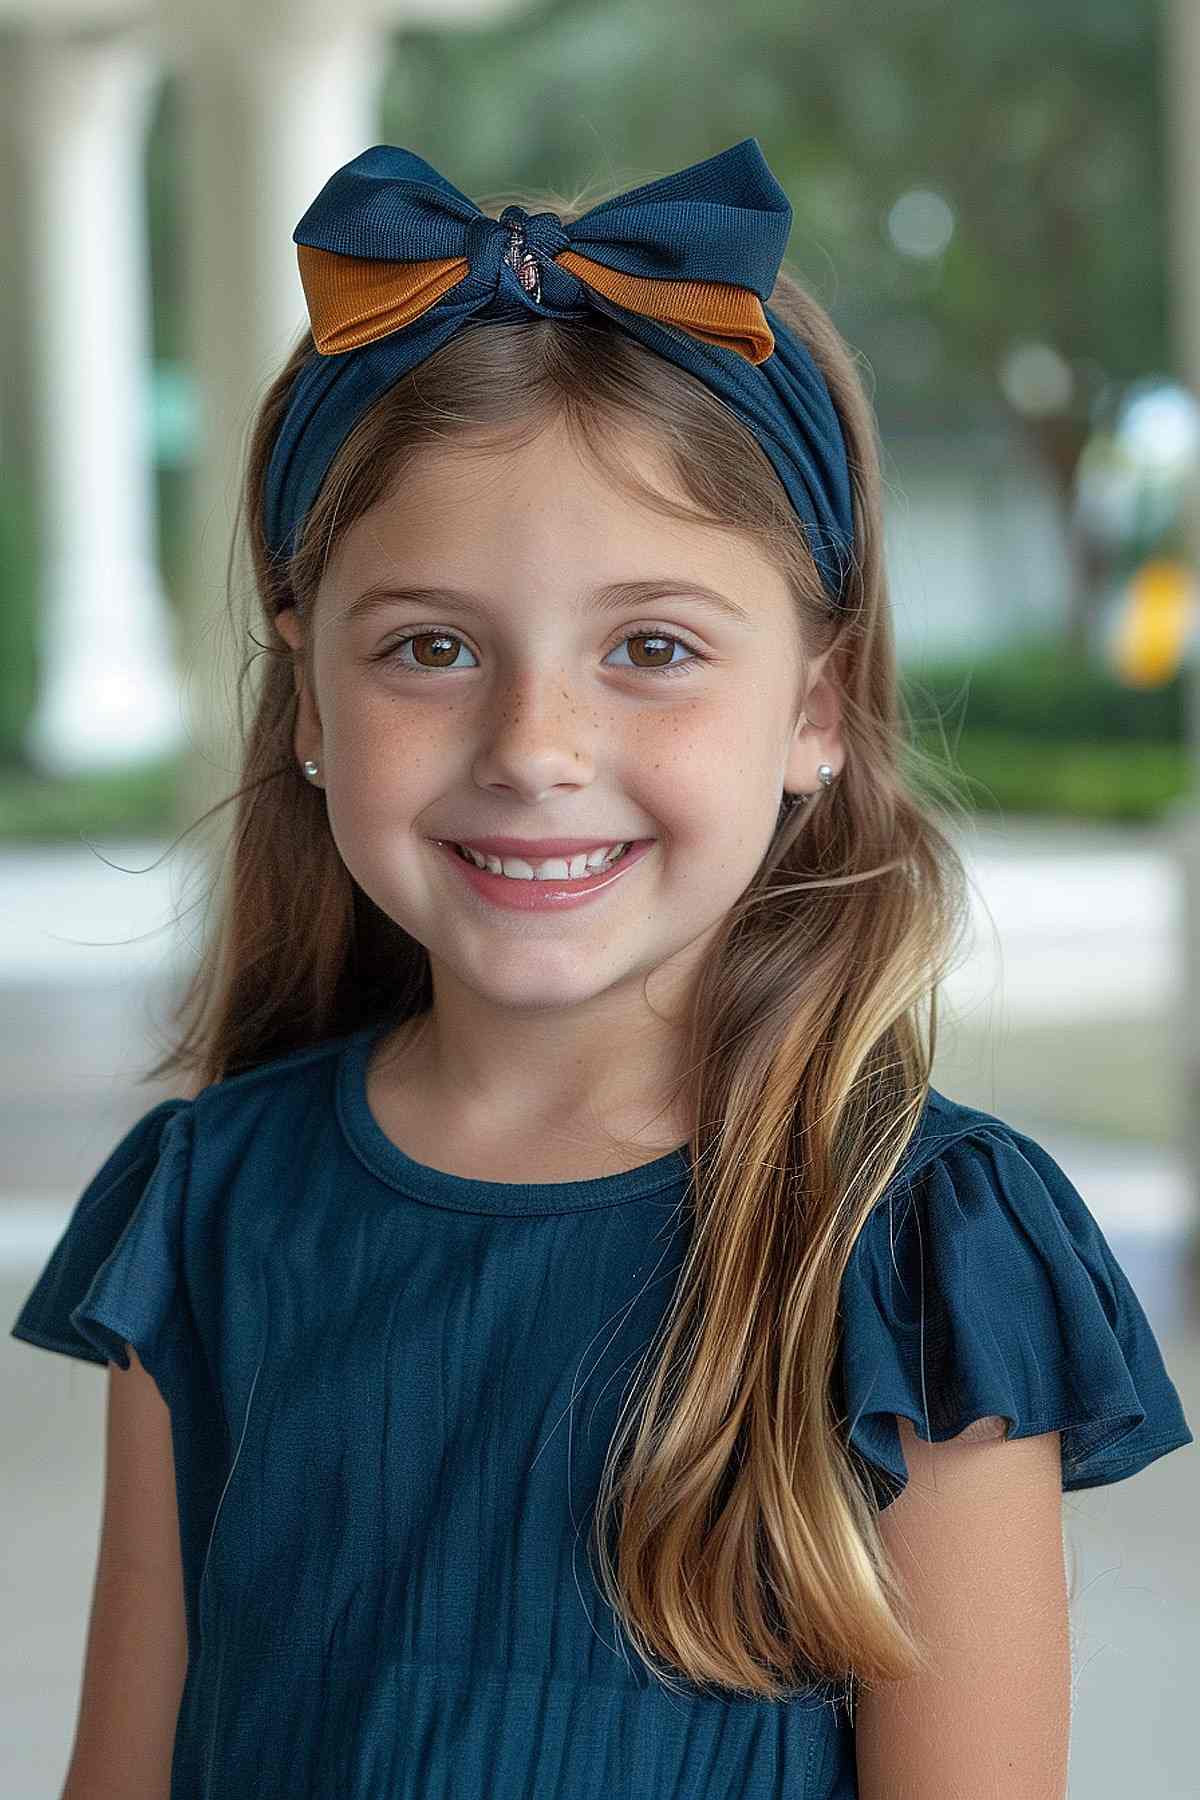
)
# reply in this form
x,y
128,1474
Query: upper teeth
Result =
x,y
555,868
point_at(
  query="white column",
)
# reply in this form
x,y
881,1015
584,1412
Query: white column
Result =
x,y
108,687
267,121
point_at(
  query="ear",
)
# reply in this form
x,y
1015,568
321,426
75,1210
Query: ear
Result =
x,y
817,737
306,738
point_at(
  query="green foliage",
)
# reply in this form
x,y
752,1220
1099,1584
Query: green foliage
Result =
x,y
1038,690
1034,729
18,598
130,802
166,210
996,771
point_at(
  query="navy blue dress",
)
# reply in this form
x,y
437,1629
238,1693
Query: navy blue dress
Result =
x,y
391,1393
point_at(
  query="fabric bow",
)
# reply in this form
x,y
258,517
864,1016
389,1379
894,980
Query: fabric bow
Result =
x,y
393,259
388,236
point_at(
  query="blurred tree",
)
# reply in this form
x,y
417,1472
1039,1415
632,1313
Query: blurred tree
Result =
x,y
977,190
164,201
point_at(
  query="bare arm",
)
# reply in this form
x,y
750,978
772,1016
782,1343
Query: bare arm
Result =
x,y
976,1537
136,1656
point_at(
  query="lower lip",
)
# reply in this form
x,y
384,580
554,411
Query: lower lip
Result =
x,y
543,896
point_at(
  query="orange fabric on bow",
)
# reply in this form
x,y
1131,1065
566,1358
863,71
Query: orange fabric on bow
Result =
x,y
353,300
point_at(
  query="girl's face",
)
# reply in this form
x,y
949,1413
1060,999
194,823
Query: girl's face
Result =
x,y
529,703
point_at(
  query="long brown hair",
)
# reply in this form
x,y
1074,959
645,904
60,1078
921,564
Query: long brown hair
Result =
x,y
747,1550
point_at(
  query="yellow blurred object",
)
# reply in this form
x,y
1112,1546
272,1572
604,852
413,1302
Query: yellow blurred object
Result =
x,y
1155,624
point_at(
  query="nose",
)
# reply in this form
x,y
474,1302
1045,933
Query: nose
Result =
x,y
537,736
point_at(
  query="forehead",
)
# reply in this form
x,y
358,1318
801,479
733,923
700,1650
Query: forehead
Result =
x,y
482,504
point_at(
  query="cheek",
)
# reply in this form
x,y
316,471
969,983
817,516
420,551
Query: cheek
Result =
x,y
375,750
704,758
714,778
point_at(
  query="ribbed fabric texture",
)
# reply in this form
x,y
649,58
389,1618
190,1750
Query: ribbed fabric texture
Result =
x,y
392,1389
718,224
353,300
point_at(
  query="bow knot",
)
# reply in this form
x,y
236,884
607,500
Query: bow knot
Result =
x,y
534,240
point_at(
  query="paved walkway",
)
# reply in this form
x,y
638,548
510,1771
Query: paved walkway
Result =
x,y
1060,1023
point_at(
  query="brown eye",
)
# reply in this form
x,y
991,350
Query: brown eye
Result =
x,y
646,637
444,648
657,661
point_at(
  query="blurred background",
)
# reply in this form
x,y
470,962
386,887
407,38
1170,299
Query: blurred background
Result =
x,y
1000,207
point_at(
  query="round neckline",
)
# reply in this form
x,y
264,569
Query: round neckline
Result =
x,y
466,1193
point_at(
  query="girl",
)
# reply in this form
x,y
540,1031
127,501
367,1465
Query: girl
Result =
x,y
563,1345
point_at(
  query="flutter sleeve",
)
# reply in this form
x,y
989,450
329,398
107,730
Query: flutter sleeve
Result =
x,y
114,1275
980,1294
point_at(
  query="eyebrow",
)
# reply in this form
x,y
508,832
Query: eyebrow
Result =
x,y
614,596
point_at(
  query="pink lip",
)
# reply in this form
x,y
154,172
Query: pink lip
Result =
x,y
542,896
534,849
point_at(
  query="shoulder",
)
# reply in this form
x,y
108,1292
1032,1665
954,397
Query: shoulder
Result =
x,y
982,1288
268,1103
238,1149
946,1123
178,1129
193,1127
294,1069
983,1182
113,1276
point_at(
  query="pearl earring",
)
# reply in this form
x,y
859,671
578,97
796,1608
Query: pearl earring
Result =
x,y
311,769
824,775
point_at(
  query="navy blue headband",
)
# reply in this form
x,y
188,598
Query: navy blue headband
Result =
x,y
394,259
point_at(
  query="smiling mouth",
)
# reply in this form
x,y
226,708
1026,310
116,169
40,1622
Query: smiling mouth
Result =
x,y
608,861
